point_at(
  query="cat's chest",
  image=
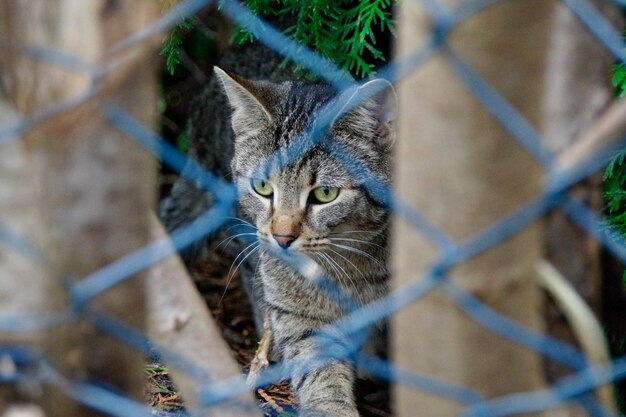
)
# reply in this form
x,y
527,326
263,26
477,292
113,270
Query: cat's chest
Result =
x,y
326,298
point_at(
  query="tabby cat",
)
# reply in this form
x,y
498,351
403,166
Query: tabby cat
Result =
x,y
309,205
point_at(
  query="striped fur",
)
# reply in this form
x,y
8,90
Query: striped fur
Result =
x,y
347,238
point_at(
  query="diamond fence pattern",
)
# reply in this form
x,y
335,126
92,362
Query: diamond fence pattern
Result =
x,y
554,196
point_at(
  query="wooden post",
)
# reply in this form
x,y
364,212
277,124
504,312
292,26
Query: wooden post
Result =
x,y
577,91
95,185
178,318
458,167
23,289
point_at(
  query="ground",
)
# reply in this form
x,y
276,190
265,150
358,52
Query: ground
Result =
x,y
231,310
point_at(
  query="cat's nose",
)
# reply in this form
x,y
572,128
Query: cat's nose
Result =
x,y
284,240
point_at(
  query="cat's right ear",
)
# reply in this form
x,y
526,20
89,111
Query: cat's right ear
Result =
x,y
250,110
370,111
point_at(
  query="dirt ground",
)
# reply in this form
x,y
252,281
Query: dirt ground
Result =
x,y
230,308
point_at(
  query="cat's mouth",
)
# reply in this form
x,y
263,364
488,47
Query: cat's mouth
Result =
x,y
338,249
285,245
280,243
342,255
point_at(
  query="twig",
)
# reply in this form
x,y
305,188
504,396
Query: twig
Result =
x,y
270,401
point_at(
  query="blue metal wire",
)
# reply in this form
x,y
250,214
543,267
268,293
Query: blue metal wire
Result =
x,y
386,370
599,26
13,130
102,399
511,330
493,102
174,16
29,322
62,59
20,245
577,388
560,179
138,341
282,44
589,222
563,391
115,273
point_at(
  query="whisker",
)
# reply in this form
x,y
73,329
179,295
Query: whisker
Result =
x,y
230,239
258,262
325,257
244,221
356,240
358,252
235,270
229,277
241,253
244,258
341,271
373,232
348,261
240,225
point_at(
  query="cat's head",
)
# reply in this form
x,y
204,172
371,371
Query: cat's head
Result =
x,y
302,185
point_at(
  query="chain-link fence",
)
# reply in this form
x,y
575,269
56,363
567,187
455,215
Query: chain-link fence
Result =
x,y
22,364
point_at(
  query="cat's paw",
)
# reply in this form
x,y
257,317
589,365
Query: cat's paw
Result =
x,y
259,363
261,357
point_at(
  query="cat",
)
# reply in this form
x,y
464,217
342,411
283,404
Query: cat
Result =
x,y
212,145
309,205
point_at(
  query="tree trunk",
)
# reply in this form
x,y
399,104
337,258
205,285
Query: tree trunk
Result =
x,y
459,168
24,287
178,318
578,89
95,185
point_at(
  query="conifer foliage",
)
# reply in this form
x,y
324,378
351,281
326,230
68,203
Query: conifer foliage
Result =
x,y
615,173
173,43
615,192
343,31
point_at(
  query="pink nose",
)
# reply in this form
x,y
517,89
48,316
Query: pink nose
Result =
x,y
284,240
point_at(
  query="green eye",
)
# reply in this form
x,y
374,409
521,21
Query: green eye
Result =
x,y
262,187
325,194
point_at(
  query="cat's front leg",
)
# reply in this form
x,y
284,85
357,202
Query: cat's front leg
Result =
x,y
322,390
326,391
261,357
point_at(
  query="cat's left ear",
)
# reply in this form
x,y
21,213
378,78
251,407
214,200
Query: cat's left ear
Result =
x,y
371,111
250,101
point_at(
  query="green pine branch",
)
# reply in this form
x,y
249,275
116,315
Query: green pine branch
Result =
x,y
619,79
172,44
615,192
615,173
337,29
340,30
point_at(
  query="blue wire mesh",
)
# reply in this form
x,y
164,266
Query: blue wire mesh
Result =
x,y
577,386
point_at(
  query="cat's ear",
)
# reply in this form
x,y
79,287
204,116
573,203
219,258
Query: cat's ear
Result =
x,y
370,111
248,100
